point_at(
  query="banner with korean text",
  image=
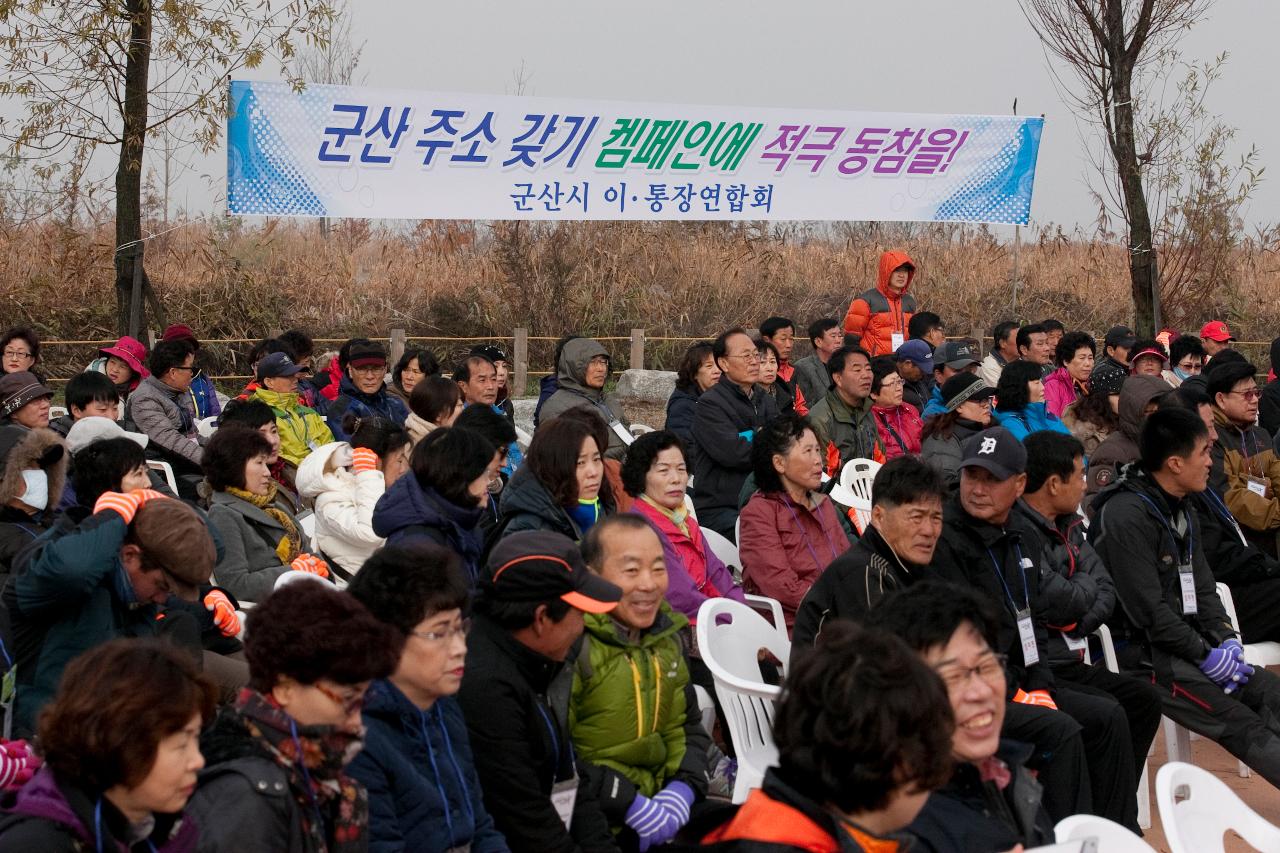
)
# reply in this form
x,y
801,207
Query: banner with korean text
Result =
x,y
343,151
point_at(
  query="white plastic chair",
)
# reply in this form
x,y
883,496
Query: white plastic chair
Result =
x,y
1111,837
207,426
730,636
1103,633
166,469
1196,808
770,607
854,489
723,548
308,524
688,505
522,439
640,429
56,412
706,708
1177,740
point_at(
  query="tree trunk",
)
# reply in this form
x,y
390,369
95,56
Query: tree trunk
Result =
x,y
1124,149
129,169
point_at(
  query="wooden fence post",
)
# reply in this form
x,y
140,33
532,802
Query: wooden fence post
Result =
x,y
520,381
397,345
977,336
637,349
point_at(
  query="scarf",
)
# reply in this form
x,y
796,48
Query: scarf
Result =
x,y
678,517
290,545
417,427
691,549
314,758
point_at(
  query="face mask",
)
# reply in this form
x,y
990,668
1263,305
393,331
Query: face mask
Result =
x,y
1178,372
37,494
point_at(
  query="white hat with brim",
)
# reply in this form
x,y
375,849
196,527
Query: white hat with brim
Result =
x,y
86,431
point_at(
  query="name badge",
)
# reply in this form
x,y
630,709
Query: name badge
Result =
x,y
1258,486
563,796
1027,564
622,432
1188,581
1027,633
1075,644
896,340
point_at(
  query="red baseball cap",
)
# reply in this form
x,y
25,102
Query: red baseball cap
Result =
x,y
1216,330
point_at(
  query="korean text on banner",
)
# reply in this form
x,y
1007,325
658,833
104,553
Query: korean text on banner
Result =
x,y
342,151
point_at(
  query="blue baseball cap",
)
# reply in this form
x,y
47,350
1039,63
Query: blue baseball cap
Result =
x,y
917,352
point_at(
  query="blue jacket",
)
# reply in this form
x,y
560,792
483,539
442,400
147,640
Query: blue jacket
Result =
x,y
547,387
351,399
423,790
935,406
408,512
204,397
1034,418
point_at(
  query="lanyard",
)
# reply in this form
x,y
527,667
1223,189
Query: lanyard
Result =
x,y
1173,536
555,741
812,553
1225,514
1026,591
306,775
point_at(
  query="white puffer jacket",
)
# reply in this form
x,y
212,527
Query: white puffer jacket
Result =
x,y
344,502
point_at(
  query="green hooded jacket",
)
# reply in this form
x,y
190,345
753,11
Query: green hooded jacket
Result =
x,y
301,429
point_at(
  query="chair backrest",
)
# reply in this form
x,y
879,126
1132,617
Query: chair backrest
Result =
x,y
56,412
1111,836
166,469
207,426
730,637
523,438
688,505
722,548
1196,808
308,524
857,476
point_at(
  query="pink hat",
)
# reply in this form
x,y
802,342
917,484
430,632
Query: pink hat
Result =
x,y
130,351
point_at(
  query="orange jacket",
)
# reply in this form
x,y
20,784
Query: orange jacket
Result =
x,y
876,314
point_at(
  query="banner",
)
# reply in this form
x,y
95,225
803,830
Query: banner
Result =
x,y
342,151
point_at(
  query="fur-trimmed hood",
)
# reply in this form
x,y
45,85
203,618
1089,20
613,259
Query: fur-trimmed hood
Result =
x,y
40,447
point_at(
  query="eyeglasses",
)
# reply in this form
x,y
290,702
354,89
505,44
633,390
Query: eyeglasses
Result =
x,y
955,678
191,370
460,630
602,360
17,353
369,368
1250,395
349,704
751,357
892,383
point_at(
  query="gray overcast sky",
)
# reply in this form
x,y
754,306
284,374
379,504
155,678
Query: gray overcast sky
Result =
x,y
940,56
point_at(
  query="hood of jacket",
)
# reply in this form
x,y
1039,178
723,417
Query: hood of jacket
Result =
x,y
315,476
1136,392
408,503
524,493
571,372
287,401
890,261
42,448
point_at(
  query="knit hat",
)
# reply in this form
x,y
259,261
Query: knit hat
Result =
x,y
18,389
489,351
175,537
180,332
1107,380
130,351
963,387
364,353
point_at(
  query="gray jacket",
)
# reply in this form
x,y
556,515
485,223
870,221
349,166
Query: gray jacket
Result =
x,y
812,378
165,416
250,565
574,393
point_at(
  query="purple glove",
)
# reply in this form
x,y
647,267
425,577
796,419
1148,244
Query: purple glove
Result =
x,y
676,798
652,822
1225,666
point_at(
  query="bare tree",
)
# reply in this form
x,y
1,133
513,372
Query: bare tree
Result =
x,y
1116,51
85,74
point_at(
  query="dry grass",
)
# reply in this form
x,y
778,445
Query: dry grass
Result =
x,y
231,280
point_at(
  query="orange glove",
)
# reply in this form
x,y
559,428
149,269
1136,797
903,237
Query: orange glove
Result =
x,y
363,459
1035,697
311,564
125,503
224,614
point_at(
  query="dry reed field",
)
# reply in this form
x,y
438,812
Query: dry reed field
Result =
x,y
230,279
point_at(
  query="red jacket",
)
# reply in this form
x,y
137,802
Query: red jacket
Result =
x,y
899,429
785,547
877,314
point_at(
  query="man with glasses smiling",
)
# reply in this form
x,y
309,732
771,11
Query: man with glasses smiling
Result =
x,y
1246,470
725,421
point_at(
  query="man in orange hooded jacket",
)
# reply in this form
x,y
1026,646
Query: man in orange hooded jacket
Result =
x,y
880,315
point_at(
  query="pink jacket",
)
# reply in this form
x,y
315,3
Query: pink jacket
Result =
x,y
1060,391
785,547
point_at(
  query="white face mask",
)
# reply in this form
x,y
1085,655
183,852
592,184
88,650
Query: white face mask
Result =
x,y
37,494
